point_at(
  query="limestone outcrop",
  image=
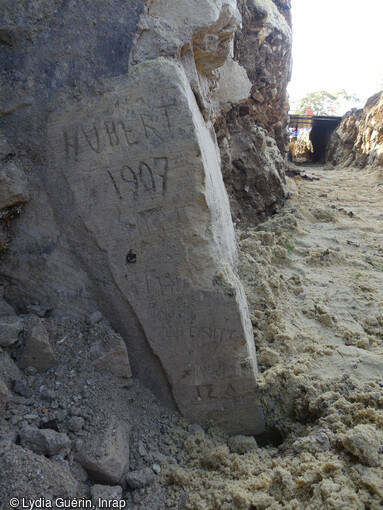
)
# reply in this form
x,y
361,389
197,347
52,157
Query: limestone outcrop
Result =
x,y
252,167
358,140
253,136
263,48
112,111
144,175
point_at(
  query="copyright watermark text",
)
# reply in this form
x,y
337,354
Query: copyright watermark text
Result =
x,y
72,503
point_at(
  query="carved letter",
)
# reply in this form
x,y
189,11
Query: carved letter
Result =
x,y
68,144
127,132
167,286
165,111
146,177
130,177
205,391
115,185
148,127
110,128
96,146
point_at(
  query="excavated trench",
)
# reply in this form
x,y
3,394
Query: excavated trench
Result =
x,y
310,146
320,135
120,174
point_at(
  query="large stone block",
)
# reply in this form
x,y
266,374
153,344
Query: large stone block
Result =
x,y
105,453
38,351
144,173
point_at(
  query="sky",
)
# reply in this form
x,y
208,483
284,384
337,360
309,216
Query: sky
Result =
x,y
337,44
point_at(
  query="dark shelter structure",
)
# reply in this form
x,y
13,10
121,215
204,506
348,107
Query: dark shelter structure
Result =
x,y
321,128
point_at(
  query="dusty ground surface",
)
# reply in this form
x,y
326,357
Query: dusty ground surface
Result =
x,y
314,280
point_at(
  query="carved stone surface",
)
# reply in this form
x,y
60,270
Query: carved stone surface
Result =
x,y
143,169
160,267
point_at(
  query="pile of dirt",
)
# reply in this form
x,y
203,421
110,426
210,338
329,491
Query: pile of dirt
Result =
x,y
80,426
314,278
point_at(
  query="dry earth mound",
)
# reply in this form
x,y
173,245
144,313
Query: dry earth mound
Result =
x,y
314,278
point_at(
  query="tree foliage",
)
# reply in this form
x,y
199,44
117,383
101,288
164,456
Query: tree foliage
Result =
x,y
321,102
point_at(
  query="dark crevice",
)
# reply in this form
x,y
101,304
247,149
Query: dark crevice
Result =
x,y
271,437
320,136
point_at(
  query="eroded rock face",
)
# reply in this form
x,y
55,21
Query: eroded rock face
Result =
x,y
263,48
144,173
110,111
253,158
253,168
359,138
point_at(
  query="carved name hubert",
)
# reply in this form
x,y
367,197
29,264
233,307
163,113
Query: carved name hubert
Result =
x,y
144,172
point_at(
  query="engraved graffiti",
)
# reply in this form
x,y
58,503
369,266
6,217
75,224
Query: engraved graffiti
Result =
x,y
116,132
140,179
215,335
142,176
216,369
210,391
130,177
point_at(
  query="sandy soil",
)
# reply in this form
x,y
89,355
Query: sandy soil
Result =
x,y
314,280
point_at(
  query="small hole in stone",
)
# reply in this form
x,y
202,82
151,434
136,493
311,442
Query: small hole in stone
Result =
x,y
131,257
50,424
271,437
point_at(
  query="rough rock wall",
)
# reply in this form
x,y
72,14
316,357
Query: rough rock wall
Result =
x,y
252,167
52,53
359,138
253,136
301,148
263,48
109,150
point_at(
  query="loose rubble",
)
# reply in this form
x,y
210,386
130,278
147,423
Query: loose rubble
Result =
x,y
140,478
79,422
